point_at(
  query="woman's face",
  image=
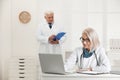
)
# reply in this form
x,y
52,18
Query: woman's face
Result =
x,y
85,41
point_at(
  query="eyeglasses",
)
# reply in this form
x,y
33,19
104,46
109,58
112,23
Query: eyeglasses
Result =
x,y
86,40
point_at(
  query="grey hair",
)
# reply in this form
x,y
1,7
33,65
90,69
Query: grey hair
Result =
x,y
92,35
48,12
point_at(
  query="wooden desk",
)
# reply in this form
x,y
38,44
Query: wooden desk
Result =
x,y
76,76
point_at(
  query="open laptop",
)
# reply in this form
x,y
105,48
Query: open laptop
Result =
x,y
52,63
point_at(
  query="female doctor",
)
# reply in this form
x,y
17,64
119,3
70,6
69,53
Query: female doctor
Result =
x,y
90,57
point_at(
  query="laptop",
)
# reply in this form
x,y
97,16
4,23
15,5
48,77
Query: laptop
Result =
x,y
52,63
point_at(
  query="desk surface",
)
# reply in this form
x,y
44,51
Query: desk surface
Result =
x,y
81,75
77,76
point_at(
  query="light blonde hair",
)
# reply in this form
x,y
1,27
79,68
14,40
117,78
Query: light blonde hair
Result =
x,y
92,35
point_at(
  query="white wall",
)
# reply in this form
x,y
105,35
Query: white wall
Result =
x,y
23,35
87,13
0,42
5,37
19,39
113,19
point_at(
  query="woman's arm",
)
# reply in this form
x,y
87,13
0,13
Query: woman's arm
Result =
x,y
104,64
71,61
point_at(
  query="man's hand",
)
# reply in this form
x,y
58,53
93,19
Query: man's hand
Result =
x,y
54,42
51,38
51,41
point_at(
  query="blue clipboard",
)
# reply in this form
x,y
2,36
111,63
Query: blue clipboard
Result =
x,y
59,36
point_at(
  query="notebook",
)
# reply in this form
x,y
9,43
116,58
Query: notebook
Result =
x,y
52,63
91,72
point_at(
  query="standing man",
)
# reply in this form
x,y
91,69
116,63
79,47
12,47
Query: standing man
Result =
x,y
46,34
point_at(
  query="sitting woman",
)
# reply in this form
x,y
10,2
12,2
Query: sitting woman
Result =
x,y
90,57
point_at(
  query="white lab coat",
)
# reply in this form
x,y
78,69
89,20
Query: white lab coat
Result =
x,y
44,32
74,59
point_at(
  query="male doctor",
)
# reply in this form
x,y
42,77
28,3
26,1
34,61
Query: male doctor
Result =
x,y
46,33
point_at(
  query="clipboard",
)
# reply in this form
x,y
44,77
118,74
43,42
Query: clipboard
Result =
x,y
59,36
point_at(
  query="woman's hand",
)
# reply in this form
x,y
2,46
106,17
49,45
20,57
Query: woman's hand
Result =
x,y
85,69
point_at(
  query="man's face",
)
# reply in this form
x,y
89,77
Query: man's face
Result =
x,y
49,18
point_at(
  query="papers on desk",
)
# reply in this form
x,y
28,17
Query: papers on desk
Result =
x,y
91,72
59,36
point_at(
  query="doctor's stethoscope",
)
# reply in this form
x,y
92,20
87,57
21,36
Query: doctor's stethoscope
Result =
x,y
82,57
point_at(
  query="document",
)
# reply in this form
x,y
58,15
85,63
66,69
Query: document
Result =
x,y
59,36
91,72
